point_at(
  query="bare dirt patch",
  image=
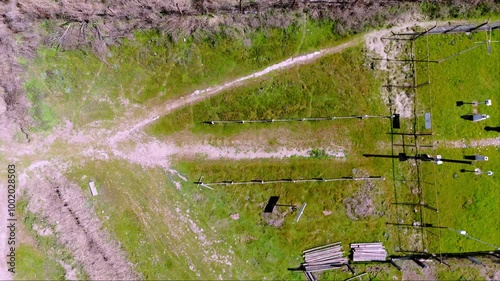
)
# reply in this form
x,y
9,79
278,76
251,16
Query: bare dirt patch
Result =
x,y
411,271
63,205
471,143
150,152
491,273
361,203
394,73
276,218
71,272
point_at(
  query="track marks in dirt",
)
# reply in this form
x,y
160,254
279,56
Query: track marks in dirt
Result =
x,y
63,205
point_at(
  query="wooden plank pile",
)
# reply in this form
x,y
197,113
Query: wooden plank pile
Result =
x,y
368,252
323,258
310,276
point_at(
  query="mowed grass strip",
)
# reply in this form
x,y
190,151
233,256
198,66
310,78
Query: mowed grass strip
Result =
x,y
466,201
337,85
152,68
471,76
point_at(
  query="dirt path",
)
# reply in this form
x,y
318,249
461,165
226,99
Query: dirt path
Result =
x,y
472,143
153,152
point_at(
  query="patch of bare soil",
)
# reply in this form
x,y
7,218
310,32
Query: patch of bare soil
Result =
x,y
77,228
411,271
276,218
395,73
360,204
471,143
71,272
150,152
491,272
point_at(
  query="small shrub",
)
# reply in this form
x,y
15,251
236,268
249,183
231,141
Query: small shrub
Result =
x,y
431,9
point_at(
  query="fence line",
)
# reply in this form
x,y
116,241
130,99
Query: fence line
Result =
x,y
213,122
258,181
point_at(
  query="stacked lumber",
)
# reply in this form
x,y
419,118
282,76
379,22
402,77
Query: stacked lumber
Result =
x,y
324,258
310,276
368,252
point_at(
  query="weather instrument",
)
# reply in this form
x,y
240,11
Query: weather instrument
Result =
x,y
488,40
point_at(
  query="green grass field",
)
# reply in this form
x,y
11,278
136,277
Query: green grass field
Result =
x,y
151,69
471,76
337,85
187,233
261,250
36,265
251,234
467,202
